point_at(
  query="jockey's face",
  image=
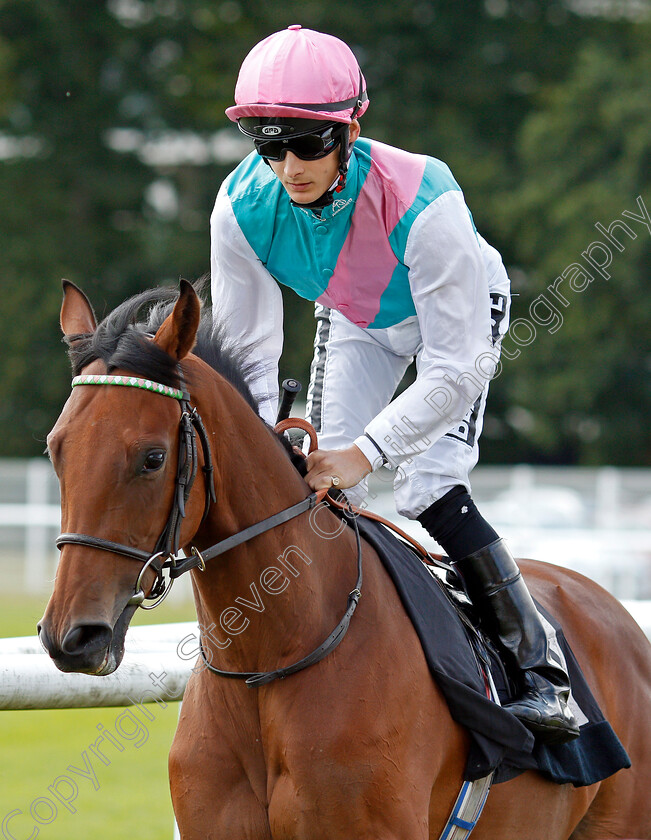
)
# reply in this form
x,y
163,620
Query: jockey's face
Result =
x,y
307,180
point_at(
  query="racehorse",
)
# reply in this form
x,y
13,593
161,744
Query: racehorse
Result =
x,y
360,744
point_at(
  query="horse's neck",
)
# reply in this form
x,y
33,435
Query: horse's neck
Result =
x,y
280,594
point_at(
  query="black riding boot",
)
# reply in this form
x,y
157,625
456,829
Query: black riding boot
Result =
x,y
496,588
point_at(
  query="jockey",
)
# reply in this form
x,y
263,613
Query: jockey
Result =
x,y
382,241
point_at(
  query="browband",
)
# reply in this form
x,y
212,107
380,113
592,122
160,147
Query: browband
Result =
x,y
130,382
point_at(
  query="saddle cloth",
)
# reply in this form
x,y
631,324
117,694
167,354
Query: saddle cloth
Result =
x,y
499,742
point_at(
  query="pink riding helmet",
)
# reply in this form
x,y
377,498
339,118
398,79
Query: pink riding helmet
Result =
x,y
302,74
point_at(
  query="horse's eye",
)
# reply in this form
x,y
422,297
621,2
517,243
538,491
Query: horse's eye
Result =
x,y
154,461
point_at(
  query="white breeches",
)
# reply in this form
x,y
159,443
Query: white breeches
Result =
x,y
355,373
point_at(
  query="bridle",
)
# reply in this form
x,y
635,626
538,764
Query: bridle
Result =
x,y
165,555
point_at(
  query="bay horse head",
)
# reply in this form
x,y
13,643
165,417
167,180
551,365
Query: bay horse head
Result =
x,y
126,459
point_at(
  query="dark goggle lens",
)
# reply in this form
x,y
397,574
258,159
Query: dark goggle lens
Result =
x,y
308,147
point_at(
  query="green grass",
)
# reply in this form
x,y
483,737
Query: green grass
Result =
x,y
36,748
19,614
132,799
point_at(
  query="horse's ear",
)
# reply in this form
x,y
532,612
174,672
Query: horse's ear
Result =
x,y
178,332
77,316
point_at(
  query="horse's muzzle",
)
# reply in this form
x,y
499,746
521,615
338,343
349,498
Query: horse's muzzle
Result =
x,y
85,648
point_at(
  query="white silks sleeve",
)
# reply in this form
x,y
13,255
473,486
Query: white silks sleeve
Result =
x,y
449,285
247,301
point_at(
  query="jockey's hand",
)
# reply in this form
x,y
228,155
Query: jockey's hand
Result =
x,y
340,468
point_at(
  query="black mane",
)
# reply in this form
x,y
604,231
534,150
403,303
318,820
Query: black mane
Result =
x,y
121,341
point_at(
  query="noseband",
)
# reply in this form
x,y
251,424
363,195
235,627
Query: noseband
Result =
x,y
165,554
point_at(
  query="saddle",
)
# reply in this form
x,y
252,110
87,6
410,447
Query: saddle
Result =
x,y
474,680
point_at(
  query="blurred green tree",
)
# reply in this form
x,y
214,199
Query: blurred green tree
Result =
x,y
582,390
86,192
113,143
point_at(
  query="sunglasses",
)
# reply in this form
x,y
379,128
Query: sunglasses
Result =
x,y
307,147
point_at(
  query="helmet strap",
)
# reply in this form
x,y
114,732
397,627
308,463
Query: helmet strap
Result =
x,y
344,155
328,196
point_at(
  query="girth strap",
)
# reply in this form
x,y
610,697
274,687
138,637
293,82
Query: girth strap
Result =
x,y
467,809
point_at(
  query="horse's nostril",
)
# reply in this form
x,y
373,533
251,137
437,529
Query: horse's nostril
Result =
x,y
43,637
86,638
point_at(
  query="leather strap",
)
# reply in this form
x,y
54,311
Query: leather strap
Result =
x,y
257,678
260,527
427,557
105,545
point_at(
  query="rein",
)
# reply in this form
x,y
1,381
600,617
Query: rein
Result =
x,y
258,678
